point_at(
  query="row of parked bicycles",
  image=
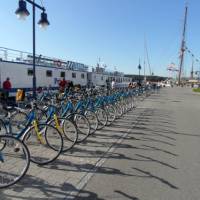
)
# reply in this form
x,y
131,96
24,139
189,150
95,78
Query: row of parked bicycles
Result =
x,y
38,131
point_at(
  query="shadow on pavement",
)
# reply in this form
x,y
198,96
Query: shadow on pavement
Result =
x,y
69,166
150,175
155,160
144,132
126,195
82,195
156,140
48,191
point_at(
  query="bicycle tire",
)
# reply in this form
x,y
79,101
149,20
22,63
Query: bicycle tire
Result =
x,y
47,152
3,129
8,159
82,125
111,114
18,121
68,132
102,118
92,118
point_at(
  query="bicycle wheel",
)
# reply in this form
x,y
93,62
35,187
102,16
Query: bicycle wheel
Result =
x,y
82,125
92,118
40,115
3,130
102,118
14,160
132,102
68,132
118,109
18,121
3,112
123,106
111,114
46,149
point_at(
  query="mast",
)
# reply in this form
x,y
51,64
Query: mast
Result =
x,y
144,71
150,72
182,51
144,62
192,70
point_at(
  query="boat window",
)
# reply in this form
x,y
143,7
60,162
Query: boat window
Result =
x,y
30,72
102,78
62,74
82,76
73,75
49,73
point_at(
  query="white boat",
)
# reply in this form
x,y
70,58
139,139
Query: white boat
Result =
x,y
18,66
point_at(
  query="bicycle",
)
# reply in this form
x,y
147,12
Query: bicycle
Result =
x,y
44,141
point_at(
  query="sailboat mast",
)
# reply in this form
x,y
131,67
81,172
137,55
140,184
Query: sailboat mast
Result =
x,y
192,70
144,62
150,72
182,51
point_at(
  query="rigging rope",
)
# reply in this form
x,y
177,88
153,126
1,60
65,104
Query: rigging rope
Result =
x,y
192,54
148,57
42,3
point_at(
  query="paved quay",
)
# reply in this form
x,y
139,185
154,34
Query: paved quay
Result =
x,y
152,153
160,157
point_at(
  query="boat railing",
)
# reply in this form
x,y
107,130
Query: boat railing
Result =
x,y
7,54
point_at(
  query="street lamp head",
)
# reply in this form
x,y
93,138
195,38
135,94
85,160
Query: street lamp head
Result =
x,y
43,23
139,67
22,11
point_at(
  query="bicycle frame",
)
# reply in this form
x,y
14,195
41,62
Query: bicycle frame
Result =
x,y
31,120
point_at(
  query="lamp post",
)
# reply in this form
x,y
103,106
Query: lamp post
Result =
x,y
22,13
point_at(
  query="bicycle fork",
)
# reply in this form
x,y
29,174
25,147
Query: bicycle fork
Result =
x,y
57,123
38,133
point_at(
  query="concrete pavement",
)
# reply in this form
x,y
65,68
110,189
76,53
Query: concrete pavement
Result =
x,y
152,153
160,157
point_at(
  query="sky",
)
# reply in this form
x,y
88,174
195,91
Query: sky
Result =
x,y
113,30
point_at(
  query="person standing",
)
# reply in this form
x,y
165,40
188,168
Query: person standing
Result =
x,y
113,84
6,88
62,85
